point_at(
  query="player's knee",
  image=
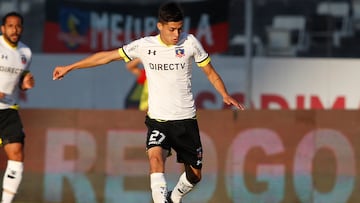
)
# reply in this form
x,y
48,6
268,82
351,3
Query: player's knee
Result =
x,y
192,176
14,151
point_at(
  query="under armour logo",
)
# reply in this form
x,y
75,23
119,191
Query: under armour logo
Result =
x,y
152,52
3,56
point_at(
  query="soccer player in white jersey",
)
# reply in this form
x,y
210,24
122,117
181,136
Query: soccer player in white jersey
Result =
x,y
171,116
15,58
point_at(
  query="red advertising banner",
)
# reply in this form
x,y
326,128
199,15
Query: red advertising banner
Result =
x,y
81,27
249,156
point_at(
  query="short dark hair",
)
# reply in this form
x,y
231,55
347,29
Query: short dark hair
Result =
x,y
13,13
170,12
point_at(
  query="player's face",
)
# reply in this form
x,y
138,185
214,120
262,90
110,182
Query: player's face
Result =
x,y
170,32
12,30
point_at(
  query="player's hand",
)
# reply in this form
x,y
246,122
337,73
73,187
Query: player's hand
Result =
x,y
59,72
28,82
231,101
2,95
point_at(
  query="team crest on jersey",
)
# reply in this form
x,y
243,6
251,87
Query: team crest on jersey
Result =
x,y
23,59
179,52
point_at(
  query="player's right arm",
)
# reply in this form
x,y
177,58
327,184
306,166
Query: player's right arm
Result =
x,y
97,59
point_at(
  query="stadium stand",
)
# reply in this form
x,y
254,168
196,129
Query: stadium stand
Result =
x,y
307,28
287,35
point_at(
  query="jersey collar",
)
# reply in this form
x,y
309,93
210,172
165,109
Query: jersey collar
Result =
x,y
7,43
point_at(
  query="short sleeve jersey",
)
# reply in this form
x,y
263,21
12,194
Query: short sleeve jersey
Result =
x,y
13,62
168,72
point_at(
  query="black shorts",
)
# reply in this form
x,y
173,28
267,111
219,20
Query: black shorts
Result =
x,y
181,135
11,128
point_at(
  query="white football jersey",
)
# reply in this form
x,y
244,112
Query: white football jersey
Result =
x,y
13,62
168,71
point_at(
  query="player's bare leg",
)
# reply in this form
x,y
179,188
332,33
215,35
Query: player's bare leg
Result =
x,y
157,157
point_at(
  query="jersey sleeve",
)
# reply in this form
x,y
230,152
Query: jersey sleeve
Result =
x,y
130,51
201,57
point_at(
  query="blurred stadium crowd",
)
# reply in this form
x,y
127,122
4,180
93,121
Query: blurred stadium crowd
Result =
x,y
290,28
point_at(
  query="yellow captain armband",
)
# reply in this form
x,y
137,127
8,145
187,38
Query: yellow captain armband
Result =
x,y
123,55
204,62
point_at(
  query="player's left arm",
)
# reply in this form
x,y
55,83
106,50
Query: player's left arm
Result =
x,y
219,85
27,81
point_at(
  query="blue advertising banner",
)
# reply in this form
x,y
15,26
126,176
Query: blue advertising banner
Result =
x,y
89,27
